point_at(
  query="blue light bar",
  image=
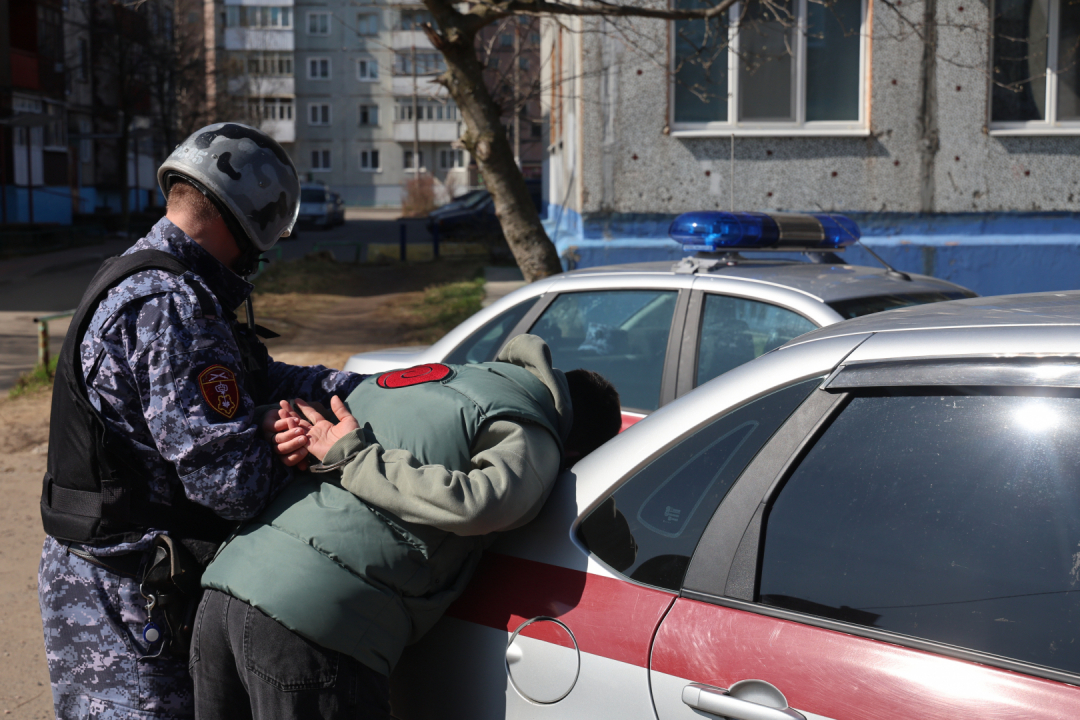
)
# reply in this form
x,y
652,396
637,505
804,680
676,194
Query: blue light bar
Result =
x,y
725,231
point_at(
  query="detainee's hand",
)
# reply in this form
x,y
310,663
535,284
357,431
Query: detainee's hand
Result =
x,y
287,431
322,434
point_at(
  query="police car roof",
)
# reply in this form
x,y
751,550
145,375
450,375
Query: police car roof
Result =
x,y
827,282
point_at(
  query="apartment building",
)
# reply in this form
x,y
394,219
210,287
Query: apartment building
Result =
x,y
368,114
954,149
256,66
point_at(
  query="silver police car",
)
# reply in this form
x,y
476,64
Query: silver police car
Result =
x,y
879,519
658,330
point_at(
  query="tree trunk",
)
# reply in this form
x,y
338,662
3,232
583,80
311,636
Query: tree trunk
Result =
x,y
485,138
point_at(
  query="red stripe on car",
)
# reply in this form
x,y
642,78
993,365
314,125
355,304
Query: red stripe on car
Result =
x,y
845,676
611,618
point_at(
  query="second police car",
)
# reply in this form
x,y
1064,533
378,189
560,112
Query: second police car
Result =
x,y
658,330
880,519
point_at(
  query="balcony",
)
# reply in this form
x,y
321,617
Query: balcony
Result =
x,y
284,131
258,39
24,69
406,39
440,131
262,86
403,86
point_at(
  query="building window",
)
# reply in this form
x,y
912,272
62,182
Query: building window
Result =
x,y
369,160
506,40
523,63
537,130
756,71
320,161
367,70
369,114
449,159
272,109
318,68
427,63
409,160
253,16
367,24
426,110
1035,80
318,23
415,19
318,114
277,64
84,60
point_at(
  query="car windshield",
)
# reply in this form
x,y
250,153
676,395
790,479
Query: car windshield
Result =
x,y
857,307
312,195
474,200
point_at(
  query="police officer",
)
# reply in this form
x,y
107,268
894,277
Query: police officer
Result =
x,y
157,443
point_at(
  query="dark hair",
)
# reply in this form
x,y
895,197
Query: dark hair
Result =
x,y
185,196
597,412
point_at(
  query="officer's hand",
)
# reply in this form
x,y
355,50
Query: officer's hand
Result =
x,y
287,432
322,434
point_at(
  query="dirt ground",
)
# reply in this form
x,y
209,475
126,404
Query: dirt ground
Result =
x,y
316,328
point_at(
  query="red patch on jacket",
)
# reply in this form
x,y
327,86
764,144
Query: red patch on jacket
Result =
x,y
416,375
218,386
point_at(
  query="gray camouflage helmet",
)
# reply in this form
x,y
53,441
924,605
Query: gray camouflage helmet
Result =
x,y
246,171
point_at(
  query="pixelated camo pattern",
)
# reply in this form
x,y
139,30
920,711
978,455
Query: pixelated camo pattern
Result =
x,y
99,665
141,357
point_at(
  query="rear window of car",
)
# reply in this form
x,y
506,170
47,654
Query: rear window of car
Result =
x,y
857,307
312,195
649,527
951,518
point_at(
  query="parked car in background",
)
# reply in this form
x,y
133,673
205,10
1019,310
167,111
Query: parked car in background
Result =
x,y
472,215
879,519
320,207
658,330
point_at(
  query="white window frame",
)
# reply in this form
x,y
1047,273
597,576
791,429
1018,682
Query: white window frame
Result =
x,y
455,156
319,122
759,128
319,155
312,15
411,169
360,114
371,64
313,65
1050,126
371,16
371,153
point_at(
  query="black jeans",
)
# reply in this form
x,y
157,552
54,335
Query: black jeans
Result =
x,y
247,665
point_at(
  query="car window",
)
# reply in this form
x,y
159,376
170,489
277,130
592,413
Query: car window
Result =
x,y
483,344
857,307
947,518
621,334
649,527
312,195
735,331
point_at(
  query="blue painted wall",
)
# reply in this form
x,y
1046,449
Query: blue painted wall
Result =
x,y
990,253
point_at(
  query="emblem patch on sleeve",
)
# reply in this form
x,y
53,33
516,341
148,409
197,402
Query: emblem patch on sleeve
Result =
x,y
219,389
416,375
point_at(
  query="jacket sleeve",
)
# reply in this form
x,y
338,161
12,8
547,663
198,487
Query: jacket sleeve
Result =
x,y
514,466
310,382
201,418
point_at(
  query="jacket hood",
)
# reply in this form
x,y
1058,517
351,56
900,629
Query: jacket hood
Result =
x,y
533,354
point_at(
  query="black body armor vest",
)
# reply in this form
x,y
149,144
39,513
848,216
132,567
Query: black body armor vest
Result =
x,y
91,493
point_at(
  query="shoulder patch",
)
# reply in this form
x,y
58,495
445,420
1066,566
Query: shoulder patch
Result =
x,y
220,390
416,375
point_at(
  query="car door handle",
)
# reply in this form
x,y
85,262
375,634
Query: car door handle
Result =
x,y
717,701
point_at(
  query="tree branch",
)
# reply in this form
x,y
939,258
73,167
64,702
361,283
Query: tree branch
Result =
x,y
494,10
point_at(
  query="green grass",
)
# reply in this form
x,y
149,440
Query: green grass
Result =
x,y
34,381
445,306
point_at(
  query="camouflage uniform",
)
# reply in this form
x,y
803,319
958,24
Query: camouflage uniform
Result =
x,y
142,357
